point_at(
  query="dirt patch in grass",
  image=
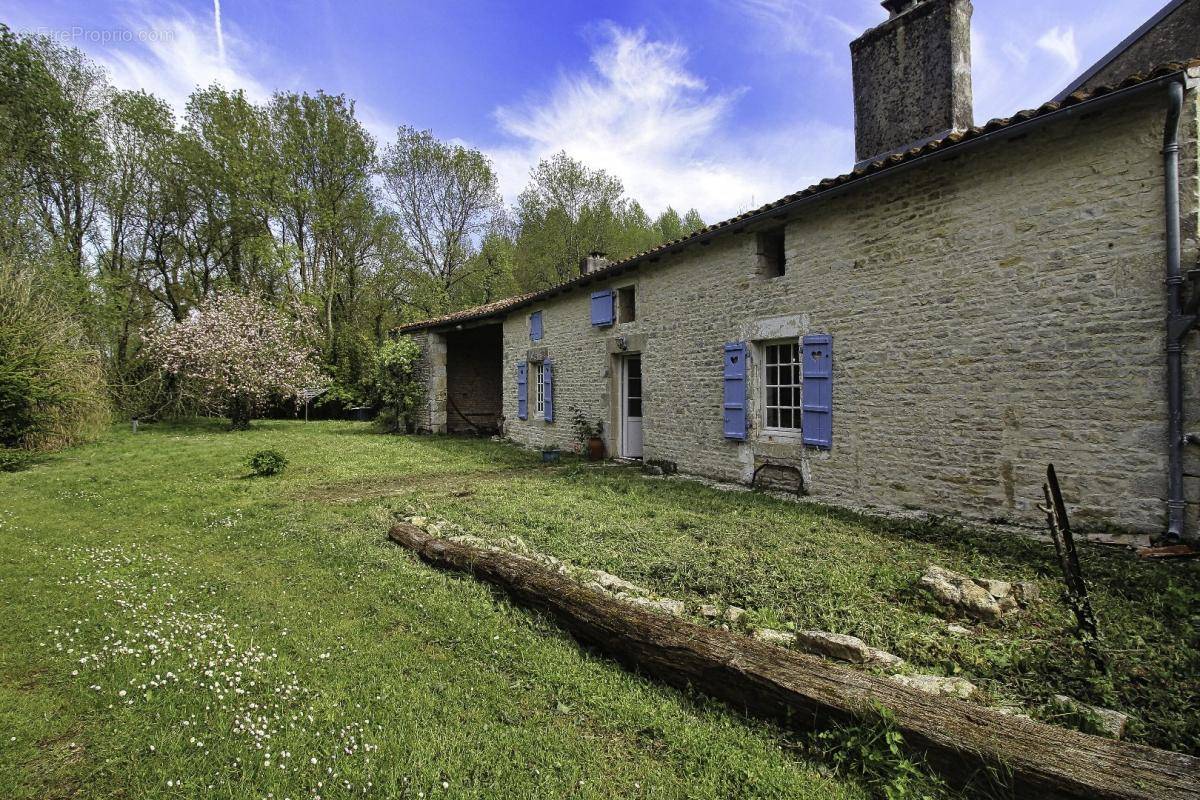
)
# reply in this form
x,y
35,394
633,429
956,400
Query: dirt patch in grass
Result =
x,y
452,484
29,681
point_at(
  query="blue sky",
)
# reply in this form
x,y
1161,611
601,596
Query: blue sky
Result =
x,y
718,104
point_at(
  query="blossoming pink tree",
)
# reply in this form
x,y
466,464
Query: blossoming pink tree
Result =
x,y
235,352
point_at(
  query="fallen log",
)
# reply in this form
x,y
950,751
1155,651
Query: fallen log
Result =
x,y
961,740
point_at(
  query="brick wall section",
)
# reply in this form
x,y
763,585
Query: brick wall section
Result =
x,y
473,368
990,313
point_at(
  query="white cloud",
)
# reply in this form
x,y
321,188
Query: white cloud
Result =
x,y
220,35
1060,42
640,114
380,125
1019,73
170,56
801,26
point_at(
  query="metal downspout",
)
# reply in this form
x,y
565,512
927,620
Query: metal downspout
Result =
x,y
1177,325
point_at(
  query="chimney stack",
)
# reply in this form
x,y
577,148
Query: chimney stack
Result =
x,y
912,76
594,261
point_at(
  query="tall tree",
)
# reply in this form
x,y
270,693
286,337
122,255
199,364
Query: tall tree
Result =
x,y
445,198
24,83
569,210
225,149
566,211
63,151
326,205
139,131
692,222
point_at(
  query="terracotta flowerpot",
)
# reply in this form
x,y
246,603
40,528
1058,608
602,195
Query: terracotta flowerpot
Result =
x,y
595,448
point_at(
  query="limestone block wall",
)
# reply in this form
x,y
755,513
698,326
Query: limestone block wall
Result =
x,y
431,417
584,370
990,313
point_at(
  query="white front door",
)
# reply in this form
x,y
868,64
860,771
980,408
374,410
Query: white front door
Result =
x,y
631,407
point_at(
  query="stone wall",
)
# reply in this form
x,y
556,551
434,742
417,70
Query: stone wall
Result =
x,y
431,370
990,313
912,77
583,371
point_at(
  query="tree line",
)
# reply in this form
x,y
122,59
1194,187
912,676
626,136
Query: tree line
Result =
x,y
124,217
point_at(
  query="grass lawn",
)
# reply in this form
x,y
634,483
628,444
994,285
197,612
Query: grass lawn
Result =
x,y
174,629
171,625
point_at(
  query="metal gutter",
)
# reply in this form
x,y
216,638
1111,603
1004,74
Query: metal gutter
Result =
x,y
1178,323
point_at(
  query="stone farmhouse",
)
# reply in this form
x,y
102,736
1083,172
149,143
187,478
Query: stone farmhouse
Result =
x,y
928,331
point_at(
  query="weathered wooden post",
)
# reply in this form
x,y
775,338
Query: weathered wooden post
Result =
x,y
1068,560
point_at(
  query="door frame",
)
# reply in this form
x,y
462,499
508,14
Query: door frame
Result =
x,y
622,402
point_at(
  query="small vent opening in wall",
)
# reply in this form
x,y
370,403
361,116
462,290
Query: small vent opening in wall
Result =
x,y
626,304
772,258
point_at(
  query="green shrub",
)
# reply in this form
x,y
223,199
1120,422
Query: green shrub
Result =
x,y
52,388
267,462
397,385
388,421
14,460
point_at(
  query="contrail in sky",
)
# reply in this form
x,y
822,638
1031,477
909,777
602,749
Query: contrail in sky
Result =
x,y
220,36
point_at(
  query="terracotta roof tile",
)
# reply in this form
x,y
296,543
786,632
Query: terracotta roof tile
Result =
x,y
871,168
475,312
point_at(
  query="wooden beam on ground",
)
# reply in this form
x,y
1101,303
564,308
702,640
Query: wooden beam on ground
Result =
x,y
959,739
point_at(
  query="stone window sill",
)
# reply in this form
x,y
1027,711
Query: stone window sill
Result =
x,y
780,437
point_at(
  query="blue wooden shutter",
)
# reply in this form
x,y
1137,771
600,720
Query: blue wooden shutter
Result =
x,y
548,389
735,391
522,390
535,326
817,419
602,308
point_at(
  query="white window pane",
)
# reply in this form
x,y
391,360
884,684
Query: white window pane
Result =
x,y
539,374
781,385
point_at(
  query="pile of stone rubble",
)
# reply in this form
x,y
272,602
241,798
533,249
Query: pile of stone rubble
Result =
x,y
983,599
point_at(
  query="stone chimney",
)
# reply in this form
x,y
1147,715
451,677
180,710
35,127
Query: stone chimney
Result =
x,y
593,261
912,76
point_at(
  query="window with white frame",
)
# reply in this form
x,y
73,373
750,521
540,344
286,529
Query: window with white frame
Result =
x,y
781,385
539,388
